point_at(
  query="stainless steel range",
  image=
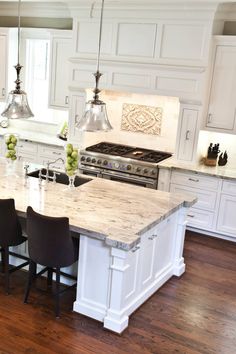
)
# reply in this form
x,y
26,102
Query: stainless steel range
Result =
x,y
122,163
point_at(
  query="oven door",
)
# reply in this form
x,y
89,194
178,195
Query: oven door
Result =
x,y
135,180
90,171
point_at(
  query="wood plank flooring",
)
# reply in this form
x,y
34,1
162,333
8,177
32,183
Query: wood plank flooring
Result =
x,y
193,314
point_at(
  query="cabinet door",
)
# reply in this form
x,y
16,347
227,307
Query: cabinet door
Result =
x,y
147,254
187,134
221,111
59,80
226,218
3,63
164,247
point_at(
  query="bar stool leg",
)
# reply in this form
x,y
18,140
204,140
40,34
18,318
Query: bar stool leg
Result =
x,y
3,259
31,276
57,304
49,279
6,268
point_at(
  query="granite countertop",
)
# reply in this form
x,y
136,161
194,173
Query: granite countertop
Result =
x,y
35,136
115,212
224,172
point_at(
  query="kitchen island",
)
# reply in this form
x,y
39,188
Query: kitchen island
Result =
x,y
131,238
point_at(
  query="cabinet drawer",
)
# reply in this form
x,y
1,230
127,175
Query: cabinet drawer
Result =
x,y
200,218
27,146
206,198
229,187
51,152
27,157
194,180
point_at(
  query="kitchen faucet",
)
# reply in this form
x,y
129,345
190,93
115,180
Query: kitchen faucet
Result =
x,y
46,175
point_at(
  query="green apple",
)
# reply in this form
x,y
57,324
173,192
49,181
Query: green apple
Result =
x,y
74,154
69,159
13,140
8,155
13,157
11,146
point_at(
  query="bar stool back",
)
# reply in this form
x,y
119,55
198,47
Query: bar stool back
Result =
x,y
50,245
10,235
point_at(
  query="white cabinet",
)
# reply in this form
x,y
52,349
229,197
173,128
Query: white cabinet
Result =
x,y
27,151
3,65
226,217
180,42
115,282
187,132
77,109
205,188
51,154
61,48
222,102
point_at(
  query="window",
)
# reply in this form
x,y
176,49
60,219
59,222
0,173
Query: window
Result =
x,y
37,75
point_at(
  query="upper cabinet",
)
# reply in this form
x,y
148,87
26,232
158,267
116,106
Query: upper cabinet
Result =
x,y
222,101
61,49
151,51
145,41
3,63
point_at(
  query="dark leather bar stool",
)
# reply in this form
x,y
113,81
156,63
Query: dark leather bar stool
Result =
x,y
10,235
50,245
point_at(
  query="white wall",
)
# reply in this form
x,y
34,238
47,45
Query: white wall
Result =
x,y
227,142
114,101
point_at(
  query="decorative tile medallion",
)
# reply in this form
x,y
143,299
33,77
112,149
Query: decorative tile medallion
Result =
x,y
140,118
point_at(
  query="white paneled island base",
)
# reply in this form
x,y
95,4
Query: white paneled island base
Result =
x,y
113,283
131,238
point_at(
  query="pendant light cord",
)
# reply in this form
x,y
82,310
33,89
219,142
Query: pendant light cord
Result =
x,y
18,55
100,37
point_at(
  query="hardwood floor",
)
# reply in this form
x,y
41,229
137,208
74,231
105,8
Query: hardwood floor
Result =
x,y
193,314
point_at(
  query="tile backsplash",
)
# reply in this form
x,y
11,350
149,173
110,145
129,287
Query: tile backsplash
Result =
x,y
169,106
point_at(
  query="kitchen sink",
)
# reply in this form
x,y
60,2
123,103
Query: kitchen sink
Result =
x,y
60,177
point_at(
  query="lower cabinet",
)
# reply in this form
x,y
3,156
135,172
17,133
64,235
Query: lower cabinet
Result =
x,y
29,151
115,282
227,211
216,205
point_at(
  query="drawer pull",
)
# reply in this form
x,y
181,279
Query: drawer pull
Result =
x,y
190,215
66,99
187,136
152,237
209,120
135,249
3,92
193,179
56,153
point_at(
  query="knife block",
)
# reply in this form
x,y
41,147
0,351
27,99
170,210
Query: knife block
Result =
x,y
210,162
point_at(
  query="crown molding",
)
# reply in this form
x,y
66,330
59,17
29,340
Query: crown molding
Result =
x,y
35,9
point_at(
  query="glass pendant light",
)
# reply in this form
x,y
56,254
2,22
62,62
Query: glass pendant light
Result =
x,y
17,104
95,116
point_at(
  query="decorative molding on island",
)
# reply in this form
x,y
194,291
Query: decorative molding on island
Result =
x,y
131,239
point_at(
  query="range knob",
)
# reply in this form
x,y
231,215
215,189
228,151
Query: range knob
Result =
x,y
153,172
82,158
145,170
128,167
116,165
93,160
105,162
99,162
88,159
138,169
